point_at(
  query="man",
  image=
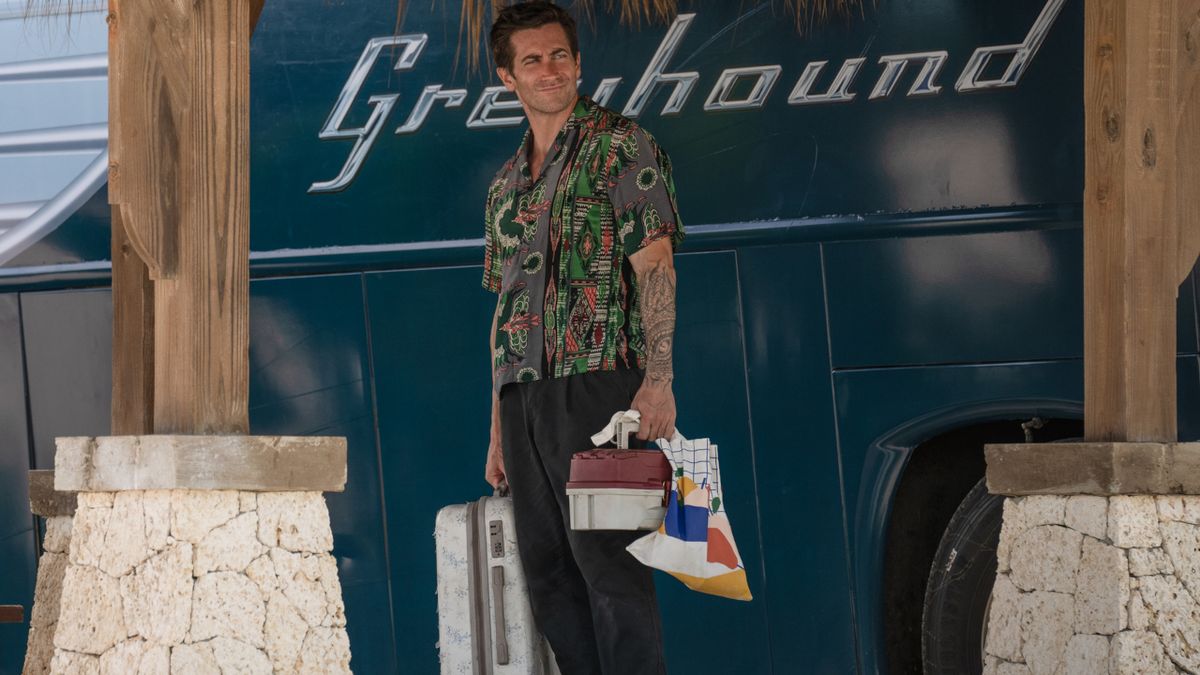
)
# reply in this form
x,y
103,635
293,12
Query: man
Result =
x,y
581,225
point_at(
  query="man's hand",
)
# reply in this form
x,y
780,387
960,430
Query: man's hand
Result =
x,y
656,403
493,470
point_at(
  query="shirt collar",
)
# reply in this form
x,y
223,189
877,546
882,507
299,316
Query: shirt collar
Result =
x,y
584,109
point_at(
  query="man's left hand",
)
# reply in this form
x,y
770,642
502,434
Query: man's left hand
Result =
x,y
656,403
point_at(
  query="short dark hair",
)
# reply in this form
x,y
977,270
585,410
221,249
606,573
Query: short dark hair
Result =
x,y
522,16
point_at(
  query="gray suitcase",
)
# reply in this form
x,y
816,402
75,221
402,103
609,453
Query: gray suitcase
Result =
x,y
485,624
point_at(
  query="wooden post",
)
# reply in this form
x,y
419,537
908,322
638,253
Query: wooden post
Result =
x,y
179,184
1139,65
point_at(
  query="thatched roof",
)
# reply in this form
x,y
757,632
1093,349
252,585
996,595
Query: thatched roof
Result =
x,y
477,15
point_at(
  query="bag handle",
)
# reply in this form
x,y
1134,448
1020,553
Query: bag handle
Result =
x,y
620,426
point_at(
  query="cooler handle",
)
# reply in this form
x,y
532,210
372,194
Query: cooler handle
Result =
x,y
619,428
498,634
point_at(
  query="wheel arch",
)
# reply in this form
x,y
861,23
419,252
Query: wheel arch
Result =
x,y
918,474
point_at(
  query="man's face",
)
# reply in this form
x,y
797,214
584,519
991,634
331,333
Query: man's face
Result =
x,y
544,73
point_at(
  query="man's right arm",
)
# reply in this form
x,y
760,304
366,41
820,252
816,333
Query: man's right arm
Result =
x,y
494,468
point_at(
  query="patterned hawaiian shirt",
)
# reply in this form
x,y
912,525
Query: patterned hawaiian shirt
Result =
x,y
557,247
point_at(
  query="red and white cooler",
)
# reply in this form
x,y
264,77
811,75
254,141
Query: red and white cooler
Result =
x,y
619,489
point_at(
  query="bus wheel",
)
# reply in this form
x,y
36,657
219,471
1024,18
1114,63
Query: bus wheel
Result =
x,y
959,590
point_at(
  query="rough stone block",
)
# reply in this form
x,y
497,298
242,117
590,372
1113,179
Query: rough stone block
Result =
x,y
1133,522
1004,621
90,619
58,534
259,463
44,500
195,659
1012,669
262,572
1089,515
1178,508
227,604
326,651
1024,513
1176,616
297,521
1046,558
125,658
158,596
1102,590
247,501
194,513
1139,615
125,543
48,590
39,651
234,656
230,547
309,582
285,631
73,663
1087,655
1135,653
1146,561
156,661
88,531
1182,544
94,500
156,505
1046,628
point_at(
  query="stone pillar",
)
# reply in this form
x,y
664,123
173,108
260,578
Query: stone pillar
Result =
x,y
1098,560
57,508
195,554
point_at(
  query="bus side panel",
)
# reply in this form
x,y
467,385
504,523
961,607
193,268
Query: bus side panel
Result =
x,y
956,299
68,351
1004,296
17,556
796,460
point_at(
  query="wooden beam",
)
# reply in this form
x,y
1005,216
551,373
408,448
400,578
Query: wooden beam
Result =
x,y
201,366
133,335
12,614
1187,45
179,143
1132,98
147,106
256,7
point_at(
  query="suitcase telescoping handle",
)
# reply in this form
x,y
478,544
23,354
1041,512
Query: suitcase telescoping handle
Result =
x,y
501,637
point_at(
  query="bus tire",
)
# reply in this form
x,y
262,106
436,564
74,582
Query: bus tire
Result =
x,y
960,584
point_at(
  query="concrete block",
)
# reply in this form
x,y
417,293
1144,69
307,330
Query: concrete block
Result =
x,y
44,500
252,463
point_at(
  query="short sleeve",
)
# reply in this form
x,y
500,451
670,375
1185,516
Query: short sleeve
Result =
x,y
642,192
492,260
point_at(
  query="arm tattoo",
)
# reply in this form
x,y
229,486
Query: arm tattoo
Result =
x,y
658,321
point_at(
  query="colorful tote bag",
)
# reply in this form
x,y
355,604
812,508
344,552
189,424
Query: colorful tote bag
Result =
x,y
695,542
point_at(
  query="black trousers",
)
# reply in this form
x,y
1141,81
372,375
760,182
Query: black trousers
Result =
x,y
592,600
